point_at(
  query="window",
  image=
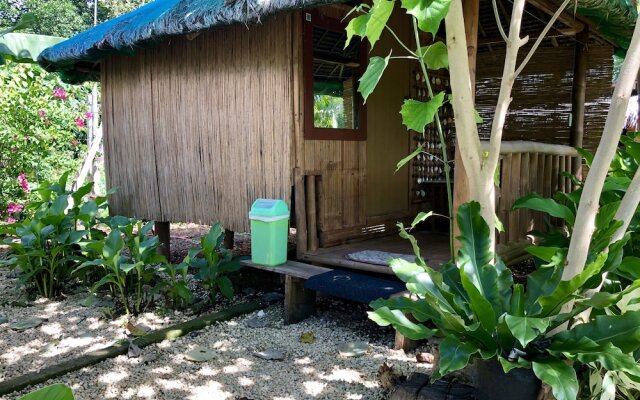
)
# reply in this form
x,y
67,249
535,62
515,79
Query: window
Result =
x,y
333,107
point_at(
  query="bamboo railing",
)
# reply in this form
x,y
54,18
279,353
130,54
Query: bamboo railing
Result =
x,y
529,167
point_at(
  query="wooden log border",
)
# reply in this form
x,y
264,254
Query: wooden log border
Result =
x,y
94,357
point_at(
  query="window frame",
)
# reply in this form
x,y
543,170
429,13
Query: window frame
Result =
x,y
310,130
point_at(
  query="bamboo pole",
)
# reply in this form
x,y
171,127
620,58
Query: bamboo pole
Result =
x,y
301,213
312,213
523,146
578,96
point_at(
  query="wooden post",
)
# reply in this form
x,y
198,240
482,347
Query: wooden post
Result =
x,y
162,229
228,239
301,213
299,302
312,227
460,186
579,95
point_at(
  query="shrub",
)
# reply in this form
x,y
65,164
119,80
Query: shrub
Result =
x,y
215,263
42,131
49,245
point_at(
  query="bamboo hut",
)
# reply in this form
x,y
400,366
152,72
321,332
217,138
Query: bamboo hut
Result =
x,y
208,105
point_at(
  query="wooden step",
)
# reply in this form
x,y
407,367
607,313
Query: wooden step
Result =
x,y
290,268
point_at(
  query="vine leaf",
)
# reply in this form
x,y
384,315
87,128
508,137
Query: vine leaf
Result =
x,y
356,27
378,17
418,114
435,56
429,13
372,75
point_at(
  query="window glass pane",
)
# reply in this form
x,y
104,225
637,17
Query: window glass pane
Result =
x,y
335,79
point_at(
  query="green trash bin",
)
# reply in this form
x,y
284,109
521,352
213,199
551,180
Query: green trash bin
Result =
x,y
269,232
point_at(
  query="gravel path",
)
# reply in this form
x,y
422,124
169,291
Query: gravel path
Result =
x,y
308,371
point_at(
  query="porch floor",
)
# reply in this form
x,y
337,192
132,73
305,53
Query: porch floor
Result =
x,y
434,249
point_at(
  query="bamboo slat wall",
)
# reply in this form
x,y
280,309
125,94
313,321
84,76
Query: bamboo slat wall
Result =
x,y
525,172
196,130
541,106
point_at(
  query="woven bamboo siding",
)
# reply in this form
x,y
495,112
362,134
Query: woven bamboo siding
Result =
x,y
222,121
522,173
541,106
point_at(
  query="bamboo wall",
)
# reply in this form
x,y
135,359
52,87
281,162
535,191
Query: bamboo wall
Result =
x,y
196,130
358,192
541,106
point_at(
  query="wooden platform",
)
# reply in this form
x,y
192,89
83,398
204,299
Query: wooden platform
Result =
x,y
434,247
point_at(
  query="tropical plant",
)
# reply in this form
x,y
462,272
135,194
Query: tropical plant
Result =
x,y
49,244
57,391
175,288
480,313
213,263
125,257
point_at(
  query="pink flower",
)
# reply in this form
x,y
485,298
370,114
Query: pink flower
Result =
x,y
88,115
13,208
47,122
74,142
41,113
11,220
79,122
23,183
59,94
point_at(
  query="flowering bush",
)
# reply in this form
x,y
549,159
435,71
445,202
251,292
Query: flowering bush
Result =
x,y
42,132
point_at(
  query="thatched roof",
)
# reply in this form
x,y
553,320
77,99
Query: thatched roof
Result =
x,y
77,58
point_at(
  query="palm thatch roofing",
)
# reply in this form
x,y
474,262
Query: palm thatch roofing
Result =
x,y
78,57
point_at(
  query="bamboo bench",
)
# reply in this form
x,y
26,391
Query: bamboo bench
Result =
x,y
300,302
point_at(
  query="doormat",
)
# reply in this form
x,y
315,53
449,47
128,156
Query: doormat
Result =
x,y
377,257
352,286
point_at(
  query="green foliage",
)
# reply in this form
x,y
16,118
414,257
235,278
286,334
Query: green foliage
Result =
x,y
176,288
57,391
39,136
213,263
418,114
124,258
428,13
475,306
49,243
372,75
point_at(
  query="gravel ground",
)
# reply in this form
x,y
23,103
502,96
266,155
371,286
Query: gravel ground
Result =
x,y
308,371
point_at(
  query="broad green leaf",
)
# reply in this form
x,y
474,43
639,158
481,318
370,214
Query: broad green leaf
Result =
x,y
454,355
544,253
606,214
420,309
372,75
629,268
421,217
620,330
609,357
226,287
560,376
540,283
418,114
517,306
566,290
481,307
526,329
537,203
474,235
356,27
384,316
378,18
429,13
113,244
81,192
404,269
435,56
56,391
414,244
410,157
